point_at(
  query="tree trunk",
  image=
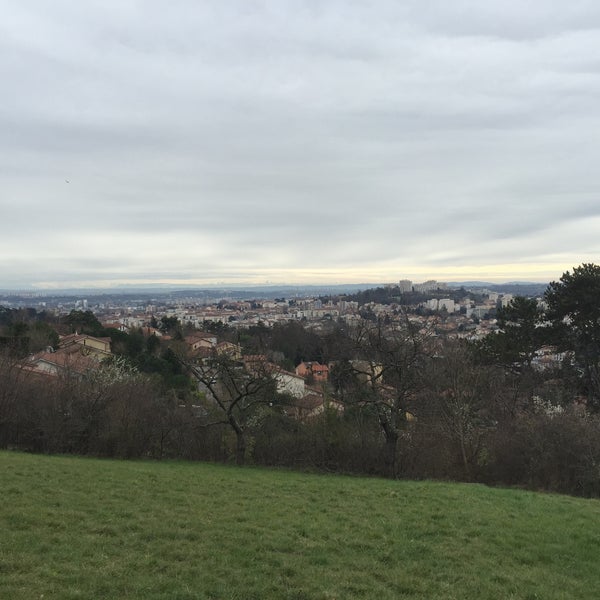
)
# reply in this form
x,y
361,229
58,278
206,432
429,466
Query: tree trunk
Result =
x,y
240,451
463,452
391,453
391,443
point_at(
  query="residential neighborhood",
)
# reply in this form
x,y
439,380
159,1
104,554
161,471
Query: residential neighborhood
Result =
x,y
405,378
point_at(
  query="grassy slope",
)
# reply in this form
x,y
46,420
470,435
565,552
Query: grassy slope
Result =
x,y
85,528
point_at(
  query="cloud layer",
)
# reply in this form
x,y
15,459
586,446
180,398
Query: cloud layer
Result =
x,y
297,141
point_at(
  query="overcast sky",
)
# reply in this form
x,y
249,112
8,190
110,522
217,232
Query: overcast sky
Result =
x,y
309,141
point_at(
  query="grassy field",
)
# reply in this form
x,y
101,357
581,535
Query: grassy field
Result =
x,y
85,528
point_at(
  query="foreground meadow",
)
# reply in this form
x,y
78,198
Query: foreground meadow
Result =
x,y
85,528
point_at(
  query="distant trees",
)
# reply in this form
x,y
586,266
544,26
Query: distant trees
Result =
x,y
296,342
41,336
521,333
291,339
170,326
149,355
85,322
24,331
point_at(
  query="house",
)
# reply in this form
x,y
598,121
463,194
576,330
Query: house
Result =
x,y
118,326
311,405
314,370
234,351
367,371
87,344
255,363
76,354
201,341
61,362
289,383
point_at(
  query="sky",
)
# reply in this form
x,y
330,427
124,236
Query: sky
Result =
x,y
297,141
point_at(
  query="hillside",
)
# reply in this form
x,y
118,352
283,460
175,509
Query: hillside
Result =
x,y
87,528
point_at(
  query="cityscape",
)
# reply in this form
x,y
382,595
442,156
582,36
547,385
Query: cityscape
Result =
x,y
466,312
299,300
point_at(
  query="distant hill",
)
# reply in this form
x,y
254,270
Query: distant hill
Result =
x,y
176,292
248,292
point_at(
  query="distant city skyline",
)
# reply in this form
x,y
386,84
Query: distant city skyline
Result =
x,y
250,284
293,142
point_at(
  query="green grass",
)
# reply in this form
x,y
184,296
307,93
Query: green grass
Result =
x,y
85,528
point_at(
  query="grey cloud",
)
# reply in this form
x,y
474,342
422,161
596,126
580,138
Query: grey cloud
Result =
x,y
293,133
511,19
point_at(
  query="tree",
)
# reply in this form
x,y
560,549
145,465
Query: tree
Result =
x,y
233,392
85,322
384,376
520,335
459,403
24,331
90,397
574,310
153,345
295,341
170,325
41,335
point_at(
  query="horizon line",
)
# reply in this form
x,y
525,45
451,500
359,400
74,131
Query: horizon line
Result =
x,y
183,286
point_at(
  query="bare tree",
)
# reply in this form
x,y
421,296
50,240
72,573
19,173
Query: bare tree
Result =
x,y
385,376
463,401
233,391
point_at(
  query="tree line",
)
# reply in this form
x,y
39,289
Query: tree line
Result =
x,y
520,407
